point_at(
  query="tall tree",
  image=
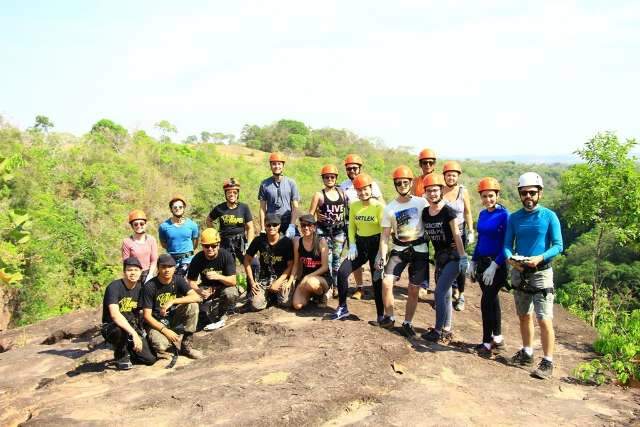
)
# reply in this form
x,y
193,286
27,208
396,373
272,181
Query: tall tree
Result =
x,y
43,123
166,129
603,193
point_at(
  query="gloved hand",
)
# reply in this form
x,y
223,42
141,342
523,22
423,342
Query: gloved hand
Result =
x,y
489,273
471,271
471,237
353,251
378,263
463,264
291,231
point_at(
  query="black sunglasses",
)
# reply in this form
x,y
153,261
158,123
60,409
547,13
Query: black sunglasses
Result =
x,y
402,183
212,246
273,225
427,162
530,193
352,168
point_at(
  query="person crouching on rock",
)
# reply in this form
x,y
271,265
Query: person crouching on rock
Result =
x,y
170,308
272,285
310,264
120,310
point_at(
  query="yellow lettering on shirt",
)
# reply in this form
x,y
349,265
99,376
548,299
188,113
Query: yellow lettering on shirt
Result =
x,y
127,305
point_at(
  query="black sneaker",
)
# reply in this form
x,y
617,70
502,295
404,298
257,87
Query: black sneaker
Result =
x,y
483,351
387,322
544,370
407,330
431,335
376,322
124,363
522,358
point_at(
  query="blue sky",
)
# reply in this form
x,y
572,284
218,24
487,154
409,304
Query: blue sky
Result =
x,y
490,78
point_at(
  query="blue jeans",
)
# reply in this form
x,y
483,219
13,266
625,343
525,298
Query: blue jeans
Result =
x,y
444,312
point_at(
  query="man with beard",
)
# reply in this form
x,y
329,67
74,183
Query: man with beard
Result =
x,y
179,235
353,165
427,163
279,195
532,240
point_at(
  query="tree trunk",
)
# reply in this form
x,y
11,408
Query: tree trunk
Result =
x,y
596,278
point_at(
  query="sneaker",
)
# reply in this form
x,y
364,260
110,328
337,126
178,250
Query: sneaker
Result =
x,y
215,325
376,322
341,312
124,363
459,306
483,351
407,330
387,322
187,350
522,358
544,370
431,335
358,294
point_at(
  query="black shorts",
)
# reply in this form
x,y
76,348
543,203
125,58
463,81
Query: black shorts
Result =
x,y
418,264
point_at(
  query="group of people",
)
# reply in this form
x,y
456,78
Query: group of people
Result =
x,y
298,257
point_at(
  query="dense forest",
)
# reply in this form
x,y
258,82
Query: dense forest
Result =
x,y
65,200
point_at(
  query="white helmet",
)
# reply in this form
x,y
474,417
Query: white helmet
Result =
x,y
530,179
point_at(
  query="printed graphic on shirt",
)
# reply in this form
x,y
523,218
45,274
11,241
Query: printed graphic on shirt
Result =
x,y
231,220
309,262
435,231
127,305
408,223
162,299
366,218
334,213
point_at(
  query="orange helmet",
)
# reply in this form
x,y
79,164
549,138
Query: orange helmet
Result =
x,y
276,157
353,159
177,197
451,166
329,170
402,172
137,214
432,179
427,153
488,183
231,184
362,181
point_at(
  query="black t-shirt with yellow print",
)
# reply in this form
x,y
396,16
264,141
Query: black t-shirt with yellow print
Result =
x,y
127,300
224,264
273,259
154,293
231,220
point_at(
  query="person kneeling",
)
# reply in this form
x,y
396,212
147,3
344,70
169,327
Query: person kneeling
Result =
x,y
276,262
120,312
170,308
217,271
311,264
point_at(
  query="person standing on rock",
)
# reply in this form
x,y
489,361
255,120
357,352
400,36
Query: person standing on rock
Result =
x,y
439,221
402,222
140,244
170,308
427,162
457,197
120,318
488,264
365,217
353,165
310,265
272,285
329,206
532,240
179,235
279,195
216,269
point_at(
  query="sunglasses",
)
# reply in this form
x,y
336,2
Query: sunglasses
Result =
x,y
427,162
212,246
305,225
352,168
177,207
329,177
273,225
529,193
138,223
402,183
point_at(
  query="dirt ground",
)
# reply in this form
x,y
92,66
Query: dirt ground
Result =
x,y
283,368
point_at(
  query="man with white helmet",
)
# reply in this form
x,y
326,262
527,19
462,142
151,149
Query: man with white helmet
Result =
x,y
532,240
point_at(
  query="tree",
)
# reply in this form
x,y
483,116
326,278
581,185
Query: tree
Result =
x,y
43,123
110,132
205,136
166,128
603,193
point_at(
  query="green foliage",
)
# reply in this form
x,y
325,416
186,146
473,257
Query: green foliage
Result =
x,y
43,123
166,129
107,132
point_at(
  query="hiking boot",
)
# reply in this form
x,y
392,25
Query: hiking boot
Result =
x,y
187,350
387,322
407,330
459,306
544,370
341,312
124,363
358,294
522,358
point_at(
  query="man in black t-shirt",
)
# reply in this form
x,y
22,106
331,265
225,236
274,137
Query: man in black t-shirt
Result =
x,y
216,269
170,308
120,318
276,262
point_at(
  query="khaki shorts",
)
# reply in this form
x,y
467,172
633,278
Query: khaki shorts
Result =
x,y
526,303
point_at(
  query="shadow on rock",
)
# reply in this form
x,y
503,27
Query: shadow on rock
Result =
x,y
72,353
90,367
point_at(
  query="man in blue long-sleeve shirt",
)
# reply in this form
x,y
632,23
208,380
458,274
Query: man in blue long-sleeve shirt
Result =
x,y
533,232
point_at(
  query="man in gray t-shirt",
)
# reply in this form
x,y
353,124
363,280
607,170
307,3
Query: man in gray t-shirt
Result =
x,y
279,195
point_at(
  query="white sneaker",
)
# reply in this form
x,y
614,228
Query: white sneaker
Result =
x,y
215,325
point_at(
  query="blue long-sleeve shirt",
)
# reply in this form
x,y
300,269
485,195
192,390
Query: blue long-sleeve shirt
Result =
x,y
492,227
534,233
